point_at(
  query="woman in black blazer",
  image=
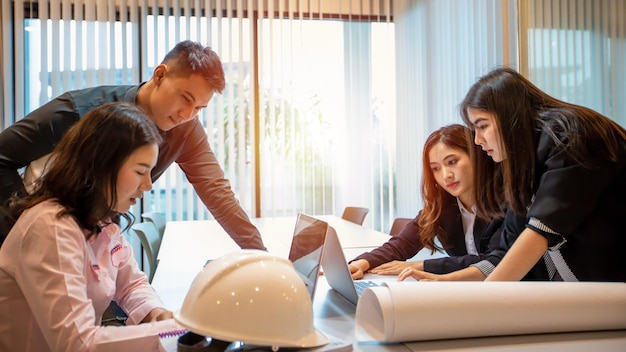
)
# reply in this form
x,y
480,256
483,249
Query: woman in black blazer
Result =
x,y
448,214
559,168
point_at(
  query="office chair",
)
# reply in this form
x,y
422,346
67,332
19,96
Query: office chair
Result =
x,y
397,225
355,214
150,241
158,219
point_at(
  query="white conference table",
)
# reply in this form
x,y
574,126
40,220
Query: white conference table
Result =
x,y
187,245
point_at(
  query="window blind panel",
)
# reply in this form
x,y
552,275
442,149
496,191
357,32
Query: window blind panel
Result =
x,y
7,94
466,35
267,109
53,57
569,47
66,73
411,66
322,148
210,36
79,45
495,12
263,180
221,100
121,60
151,200
252,113
382,188
575,52
44,16
187,33
134,44
356,175
278,96
197,28
289,48
597,61
312,141
618,53
388,155
164,30
121,41
159,198
326,202
173,28
194,15
442,47
288,51
244,176
90,33
107,24
243,140
172,23
229,159
22,96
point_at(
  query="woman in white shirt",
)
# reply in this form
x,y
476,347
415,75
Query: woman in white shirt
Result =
x,y
65,258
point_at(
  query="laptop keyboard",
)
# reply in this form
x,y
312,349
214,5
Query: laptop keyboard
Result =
x,y
361,285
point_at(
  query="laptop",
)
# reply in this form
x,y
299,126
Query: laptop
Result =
x,y
337,272
307,247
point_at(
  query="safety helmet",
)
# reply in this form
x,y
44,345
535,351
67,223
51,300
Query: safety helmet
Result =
x,y
253,297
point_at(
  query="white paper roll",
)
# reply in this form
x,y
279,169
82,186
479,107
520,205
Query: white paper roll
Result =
x,y
415,311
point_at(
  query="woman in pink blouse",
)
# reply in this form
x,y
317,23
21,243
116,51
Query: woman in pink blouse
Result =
x,y
65,258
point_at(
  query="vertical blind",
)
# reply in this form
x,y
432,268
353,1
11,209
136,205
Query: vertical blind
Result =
x,y
576,51
321,97
305,123
442,46
328,103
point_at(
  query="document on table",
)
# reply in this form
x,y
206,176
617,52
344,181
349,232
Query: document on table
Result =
x,y
416,311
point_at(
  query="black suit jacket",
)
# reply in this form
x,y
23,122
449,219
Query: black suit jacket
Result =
x,y
407,243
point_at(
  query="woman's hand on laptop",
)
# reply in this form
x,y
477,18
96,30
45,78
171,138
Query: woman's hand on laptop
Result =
x,y
358,268
396,267
419,275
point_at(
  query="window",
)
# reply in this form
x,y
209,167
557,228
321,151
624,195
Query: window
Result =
x,y
575,52
328,103
301,121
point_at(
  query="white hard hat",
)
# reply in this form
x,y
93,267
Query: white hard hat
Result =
x,y
253,297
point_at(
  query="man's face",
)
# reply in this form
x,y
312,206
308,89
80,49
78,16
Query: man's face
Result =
x,y
178,99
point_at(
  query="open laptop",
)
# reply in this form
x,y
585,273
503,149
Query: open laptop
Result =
x,y
337,272
307,247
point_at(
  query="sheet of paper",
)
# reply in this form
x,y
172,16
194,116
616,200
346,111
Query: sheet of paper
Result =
x,y
415,311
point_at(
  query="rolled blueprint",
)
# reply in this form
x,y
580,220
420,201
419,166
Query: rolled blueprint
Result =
x,y
416,311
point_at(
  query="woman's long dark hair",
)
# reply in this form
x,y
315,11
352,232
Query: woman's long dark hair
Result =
x,y
435,198
521,110
82,176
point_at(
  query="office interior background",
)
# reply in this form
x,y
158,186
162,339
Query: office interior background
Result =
x,y
328,102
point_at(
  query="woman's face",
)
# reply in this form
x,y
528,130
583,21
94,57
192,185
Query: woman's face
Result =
x,y
487,135
452,170
134,176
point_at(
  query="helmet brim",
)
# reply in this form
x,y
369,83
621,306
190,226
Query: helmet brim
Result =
x,y
315,339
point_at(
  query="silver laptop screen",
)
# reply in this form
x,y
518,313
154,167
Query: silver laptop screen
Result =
x,y
306,249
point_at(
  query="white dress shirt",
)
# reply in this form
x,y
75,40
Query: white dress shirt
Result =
x,y
55,286
468,218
